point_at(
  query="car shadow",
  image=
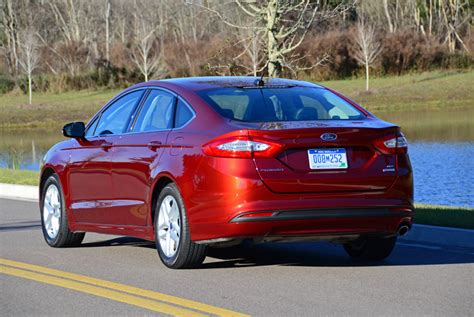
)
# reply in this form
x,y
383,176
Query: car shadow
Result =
x,y
315,254
324,254
120,241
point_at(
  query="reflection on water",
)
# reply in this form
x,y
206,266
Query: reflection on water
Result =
x,y
24,149
441,151
443,173
438,126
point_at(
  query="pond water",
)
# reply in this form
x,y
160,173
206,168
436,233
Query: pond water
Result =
x,y
441,150
443,173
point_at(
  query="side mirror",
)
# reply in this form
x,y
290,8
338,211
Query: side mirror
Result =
x,y
74,130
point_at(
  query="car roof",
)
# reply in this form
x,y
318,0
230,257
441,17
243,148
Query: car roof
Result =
x,y
202,83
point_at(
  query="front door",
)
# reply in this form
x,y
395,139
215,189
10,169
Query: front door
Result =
x,y
91,190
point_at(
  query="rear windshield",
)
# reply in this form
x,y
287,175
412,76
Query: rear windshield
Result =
x,y
279,104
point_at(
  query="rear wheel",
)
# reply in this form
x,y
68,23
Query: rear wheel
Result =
x,y
173,240
371,248
54,217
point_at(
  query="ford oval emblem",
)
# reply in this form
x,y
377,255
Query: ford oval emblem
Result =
x,y
328,136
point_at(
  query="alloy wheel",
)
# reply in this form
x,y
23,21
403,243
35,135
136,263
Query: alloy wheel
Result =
x,y
52,211
169,226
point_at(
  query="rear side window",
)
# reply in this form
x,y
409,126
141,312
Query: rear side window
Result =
x,y
280,104
156,113
183,114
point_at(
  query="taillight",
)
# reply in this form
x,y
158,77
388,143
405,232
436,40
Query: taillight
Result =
x,y
392,144
241,146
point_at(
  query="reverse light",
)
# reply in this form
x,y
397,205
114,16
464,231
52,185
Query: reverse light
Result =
x,y
242,147
392,144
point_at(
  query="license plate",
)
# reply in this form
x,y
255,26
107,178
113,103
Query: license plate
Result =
x,y
327,159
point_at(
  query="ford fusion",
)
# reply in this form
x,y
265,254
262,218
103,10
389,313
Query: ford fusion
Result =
x,y
194,163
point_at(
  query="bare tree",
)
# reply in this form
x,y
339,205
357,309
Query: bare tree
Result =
x,y
240,36
453,16
106,16
252,51
10,30
121,20
29,58
388,16
143,56
367,48
75,23
283,24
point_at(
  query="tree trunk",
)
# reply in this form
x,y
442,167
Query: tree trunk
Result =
x,y
10,26
145,70
387,15
107,31
30,91
366,76
274,68
274,60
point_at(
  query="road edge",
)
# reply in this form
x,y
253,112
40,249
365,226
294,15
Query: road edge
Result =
x,y
463,238
19,192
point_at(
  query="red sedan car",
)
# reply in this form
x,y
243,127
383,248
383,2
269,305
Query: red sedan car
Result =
x,y
198,162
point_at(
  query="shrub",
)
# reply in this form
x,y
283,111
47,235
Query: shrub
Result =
x,y
6,84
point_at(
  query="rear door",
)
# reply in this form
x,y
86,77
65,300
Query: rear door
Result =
x,y
137,154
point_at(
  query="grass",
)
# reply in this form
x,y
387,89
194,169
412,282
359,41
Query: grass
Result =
x,y
49,109
445,216
21,177
426,91
425,214
416,92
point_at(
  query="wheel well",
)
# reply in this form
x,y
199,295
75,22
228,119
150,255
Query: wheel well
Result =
x,y
162,182
46,174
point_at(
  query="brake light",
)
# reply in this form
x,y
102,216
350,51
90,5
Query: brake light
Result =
x,y
241,147
392,144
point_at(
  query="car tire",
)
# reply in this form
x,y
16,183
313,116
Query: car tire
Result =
x,y
370,248
54,220
172,234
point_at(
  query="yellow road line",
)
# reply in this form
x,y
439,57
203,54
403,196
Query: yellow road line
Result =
x,y
101,292
125,288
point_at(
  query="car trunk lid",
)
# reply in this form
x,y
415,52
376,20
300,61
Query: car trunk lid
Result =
x,y
289,171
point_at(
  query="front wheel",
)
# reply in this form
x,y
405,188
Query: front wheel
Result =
x,y
54,217
173,240
370,248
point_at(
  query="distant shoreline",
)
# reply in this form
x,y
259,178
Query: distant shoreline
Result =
x,y
436,90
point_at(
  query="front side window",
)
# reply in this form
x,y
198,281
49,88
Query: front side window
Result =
x,y
115,118
280,104
91,128
156,113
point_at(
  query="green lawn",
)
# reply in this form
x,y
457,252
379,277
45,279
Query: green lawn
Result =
x,y
426,91
417,92
50,110
16,176
445,216
425,214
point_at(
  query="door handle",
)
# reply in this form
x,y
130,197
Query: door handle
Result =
x,y
106,145
153,145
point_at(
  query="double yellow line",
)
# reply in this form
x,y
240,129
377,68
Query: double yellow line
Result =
x,y
147,299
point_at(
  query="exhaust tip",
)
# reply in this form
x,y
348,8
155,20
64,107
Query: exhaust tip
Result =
x,y
403,230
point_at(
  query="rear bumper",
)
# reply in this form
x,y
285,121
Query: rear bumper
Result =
x,y
326,223
220,203
312,214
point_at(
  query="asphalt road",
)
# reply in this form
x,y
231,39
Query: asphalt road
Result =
x,y
297,279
